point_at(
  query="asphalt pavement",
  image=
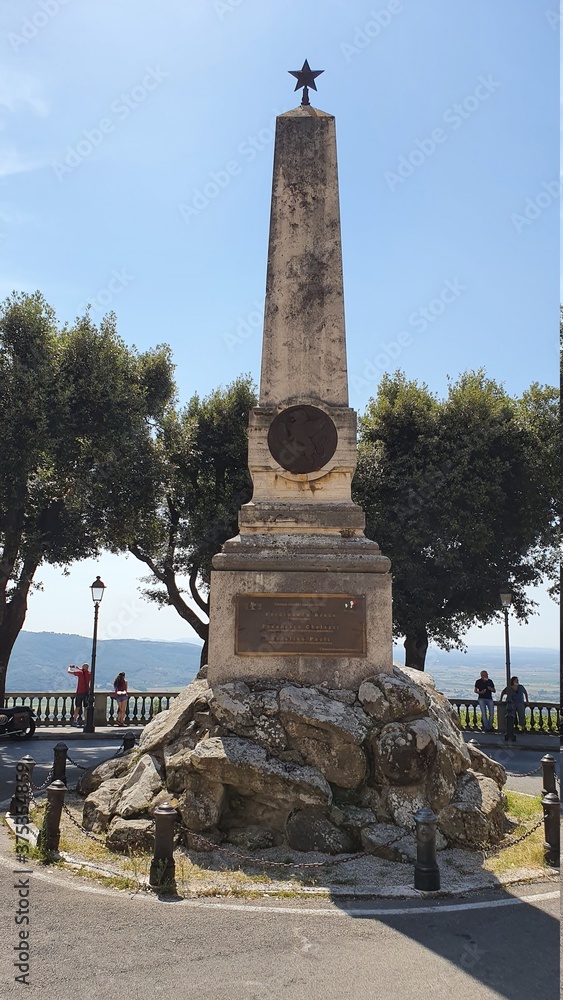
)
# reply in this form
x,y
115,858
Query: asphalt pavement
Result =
x,y
86,941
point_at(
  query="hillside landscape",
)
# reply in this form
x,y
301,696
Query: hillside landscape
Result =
x,y
40,660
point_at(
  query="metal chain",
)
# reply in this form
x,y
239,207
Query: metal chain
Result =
x,y
289,864
87,833
39,788
489,852
526,774
71,761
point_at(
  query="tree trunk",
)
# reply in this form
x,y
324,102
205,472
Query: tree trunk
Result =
x,y
416,646
11,622
204,649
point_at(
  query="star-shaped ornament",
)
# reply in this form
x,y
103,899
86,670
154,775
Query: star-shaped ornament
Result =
x,y
305,78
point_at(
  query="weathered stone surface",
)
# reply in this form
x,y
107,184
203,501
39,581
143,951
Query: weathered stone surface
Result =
x,y
166,726
451,736
414,676
484,764
389,698
375,799
308,706
442,780
403,803
255,838
355,818
201,803
246,767
100,805
116,767
251,715
311,830
475,815
130,834
139,788
348,697
342,763
382,839
405,751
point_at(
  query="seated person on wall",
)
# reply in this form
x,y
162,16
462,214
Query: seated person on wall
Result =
x,y
519,700
484,689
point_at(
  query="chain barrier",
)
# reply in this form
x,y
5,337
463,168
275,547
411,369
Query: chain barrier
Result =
x,y
526,774
210,846
75,764
42,787
87,833
489,852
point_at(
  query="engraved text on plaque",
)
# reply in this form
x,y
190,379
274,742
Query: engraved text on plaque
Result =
x,y
300,624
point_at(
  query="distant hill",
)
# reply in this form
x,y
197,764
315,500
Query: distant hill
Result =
x,y
40,659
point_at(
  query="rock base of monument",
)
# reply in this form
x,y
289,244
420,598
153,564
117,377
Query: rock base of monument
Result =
x,y
319,769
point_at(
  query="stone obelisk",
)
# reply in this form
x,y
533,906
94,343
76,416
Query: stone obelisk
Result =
x,y
301,594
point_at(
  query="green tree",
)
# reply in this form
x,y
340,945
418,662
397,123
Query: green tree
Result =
x,y
77,456
203,479
460,494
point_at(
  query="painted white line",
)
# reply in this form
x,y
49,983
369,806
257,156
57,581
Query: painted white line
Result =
x,y
301,911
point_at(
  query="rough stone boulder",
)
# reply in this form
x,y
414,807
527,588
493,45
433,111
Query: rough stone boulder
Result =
x,y
101,805
130,834
327,733
201,802
405,751
390,697
403,803
252,715
475,815
311,830
484,764
95,776
139,788
383,839
249,771
168,725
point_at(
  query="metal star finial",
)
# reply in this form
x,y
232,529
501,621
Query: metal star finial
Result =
x,y
305,78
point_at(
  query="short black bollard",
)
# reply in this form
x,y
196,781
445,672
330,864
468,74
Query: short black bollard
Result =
x,y
128,741
551,822
59,762
548,774
21,799
50,833
163,868
426,871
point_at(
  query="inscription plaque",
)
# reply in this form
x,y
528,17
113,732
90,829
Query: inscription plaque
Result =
x,y
300,624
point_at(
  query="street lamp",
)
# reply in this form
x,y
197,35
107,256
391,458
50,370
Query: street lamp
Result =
x,y
97,591
506,601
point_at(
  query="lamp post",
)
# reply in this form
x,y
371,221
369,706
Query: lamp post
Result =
x,y
97,590
506,601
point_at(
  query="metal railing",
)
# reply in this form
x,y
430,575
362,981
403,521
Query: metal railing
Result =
x,y
540,716
55,708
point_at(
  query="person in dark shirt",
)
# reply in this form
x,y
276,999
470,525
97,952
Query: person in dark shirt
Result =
x,y
519,700
484,689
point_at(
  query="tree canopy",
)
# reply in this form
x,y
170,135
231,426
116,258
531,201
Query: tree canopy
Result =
x,y
202,480
77,458
461,495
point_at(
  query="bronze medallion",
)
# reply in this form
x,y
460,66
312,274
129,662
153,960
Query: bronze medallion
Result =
x,y
302,439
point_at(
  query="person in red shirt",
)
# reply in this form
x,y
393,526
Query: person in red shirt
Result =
x,y
82,675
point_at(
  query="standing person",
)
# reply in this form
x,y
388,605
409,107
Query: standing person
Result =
x,y
519,700
82,675
484,688
120,695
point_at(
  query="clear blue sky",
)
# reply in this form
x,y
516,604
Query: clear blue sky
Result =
x,y
136,145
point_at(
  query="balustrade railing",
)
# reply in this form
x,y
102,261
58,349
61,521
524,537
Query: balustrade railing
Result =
x,y
55,708
540,716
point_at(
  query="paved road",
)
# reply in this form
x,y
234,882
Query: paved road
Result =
x,y
83,752
84,941
521,761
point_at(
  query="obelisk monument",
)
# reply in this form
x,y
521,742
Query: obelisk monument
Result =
x,y
301,594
